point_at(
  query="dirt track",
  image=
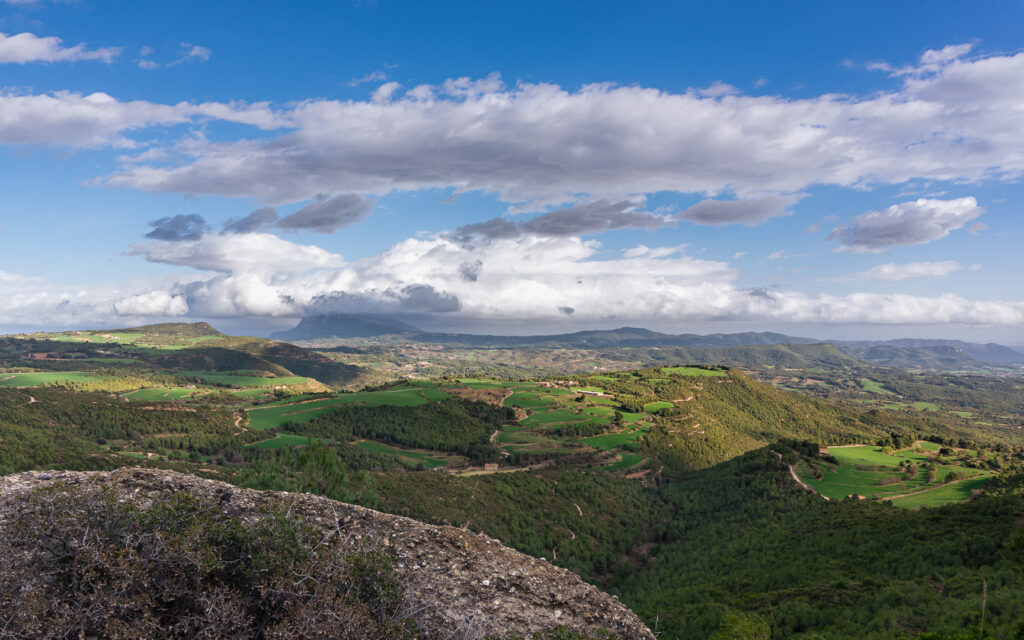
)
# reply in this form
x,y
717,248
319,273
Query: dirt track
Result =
x,y
948,484
796,478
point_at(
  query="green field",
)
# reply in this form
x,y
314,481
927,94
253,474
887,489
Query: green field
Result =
x,y
693,371
651,407
109,360
434,394
238,380
868,471
95,337
37,379
276,415
547,418
609,441
249,393
527,400
517,440
920,406
873,387
163,394
411,456
554,407
126,338
943,495
626,460
481,383
285,440
302,397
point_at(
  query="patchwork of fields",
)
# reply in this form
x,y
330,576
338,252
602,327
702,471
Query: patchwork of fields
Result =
x,y
554,411
277,414
924,475
592,421
164,394
239,383
554,420
126,337
242,379
41,378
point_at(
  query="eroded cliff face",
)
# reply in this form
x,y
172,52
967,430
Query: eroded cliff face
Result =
x,y
457,583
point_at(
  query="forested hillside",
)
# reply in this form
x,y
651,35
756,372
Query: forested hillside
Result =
x,y
677,486
167,347
741,545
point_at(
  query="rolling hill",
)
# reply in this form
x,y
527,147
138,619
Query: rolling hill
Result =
x,y
928,354
327,326
672,486
174,347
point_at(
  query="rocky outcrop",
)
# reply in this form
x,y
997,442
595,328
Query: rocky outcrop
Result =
x,y
462,584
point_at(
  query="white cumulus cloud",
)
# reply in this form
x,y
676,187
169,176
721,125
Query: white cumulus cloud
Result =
x,y
97,119
23,48
152,304
953,117
524,278
527,278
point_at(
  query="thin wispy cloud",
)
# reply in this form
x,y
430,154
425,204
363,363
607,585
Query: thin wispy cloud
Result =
x,y
187,53
191,53
910,271
373,76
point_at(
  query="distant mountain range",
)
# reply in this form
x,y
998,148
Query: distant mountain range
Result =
x,y
604,339
906,353
896,349
318,327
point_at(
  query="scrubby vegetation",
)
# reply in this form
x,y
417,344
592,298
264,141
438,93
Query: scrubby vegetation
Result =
x,y
57,429
669,485
449,425
741,541
76,562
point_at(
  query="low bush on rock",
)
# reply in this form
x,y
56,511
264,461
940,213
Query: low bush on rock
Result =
x,y
77,562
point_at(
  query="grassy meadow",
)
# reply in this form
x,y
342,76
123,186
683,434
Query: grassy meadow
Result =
x,y
41,378
912,477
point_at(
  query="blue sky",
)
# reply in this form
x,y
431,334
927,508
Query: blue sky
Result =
x,y
826,169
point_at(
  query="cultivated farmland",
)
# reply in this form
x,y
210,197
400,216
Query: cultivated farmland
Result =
x,y
41,378
924,474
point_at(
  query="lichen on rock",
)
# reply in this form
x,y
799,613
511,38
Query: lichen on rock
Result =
x,y
454,583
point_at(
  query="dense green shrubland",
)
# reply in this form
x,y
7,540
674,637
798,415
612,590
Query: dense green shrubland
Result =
x,y
451,425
